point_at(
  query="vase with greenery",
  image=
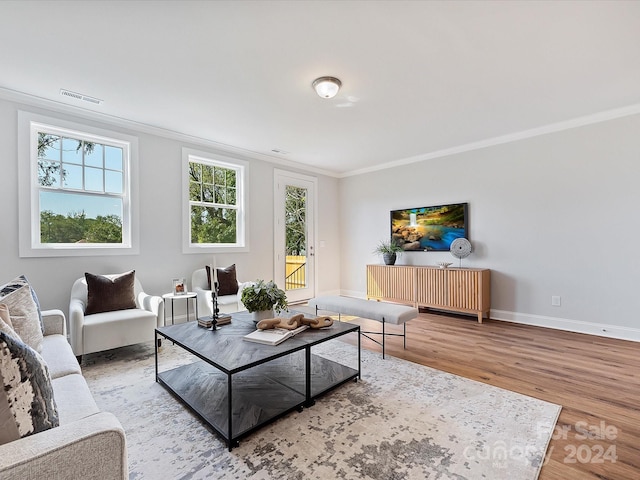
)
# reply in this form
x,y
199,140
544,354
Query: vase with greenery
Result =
x,y
263,298
389,251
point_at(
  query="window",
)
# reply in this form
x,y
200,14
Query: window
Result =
x,y
214,208
80,190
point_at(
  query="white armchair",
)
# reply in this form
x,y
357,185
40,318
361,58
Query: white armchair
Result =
x,y
226,303
103,331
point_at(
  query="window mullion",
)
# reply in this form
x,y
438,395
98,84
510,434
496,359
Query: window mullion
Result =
x,y
212,205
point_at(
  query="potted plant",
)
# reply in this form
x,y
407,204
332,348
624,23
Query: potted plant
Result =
x,y
389,251
262,298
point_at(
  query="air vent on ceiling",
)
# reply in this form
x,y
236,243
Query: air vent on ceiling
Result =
x,y
279,151
79,96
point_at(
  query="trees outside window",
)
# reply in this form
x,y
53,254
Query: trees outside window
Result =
x,y
77,189
295,220
212,194
215,206
81,189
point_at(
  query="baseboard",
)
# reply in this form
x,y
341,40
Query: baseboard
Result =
x,y
556,323
577,326
350,293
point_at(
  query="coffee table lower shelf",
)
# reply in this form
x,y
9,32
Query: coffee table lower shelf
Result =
x,y
259,395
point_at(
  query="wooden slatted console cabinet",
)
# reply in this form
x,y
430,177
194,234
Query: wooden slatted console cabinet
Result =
x,y
464,290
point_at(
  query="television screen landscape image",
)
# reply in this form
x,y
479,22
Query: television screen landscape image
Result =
x,y
429,228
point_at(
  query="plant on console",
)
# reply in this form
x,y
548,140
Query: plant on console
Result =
x,y
389,251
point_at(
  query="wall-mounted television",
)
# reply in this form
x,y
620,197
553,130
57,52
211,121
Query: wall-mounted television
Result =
x,y
429,229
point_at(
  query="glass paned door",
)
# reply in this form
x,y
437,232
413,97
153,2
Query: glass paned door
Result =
x,y
294,232
296,245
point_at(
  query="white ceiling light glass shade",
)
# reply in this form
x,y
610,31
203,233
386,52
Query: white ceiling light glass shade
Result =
x,y
327,87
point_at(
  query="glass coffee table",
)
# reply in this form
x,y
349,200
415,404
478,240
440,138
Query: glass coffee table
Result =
x,y
236,386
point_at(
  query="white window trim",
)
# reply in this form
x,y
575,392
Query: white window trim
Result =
x,y
242,198
28,210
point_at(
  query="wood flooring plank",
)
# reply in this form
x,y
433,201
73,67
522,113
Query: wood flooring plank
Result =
x,y
594,379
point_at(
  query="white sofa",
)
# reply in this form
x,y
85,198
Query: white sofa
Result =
x,y
119,328
226,303
88,444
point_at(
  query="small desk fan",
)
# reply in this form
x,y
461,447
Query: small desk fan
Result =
x,y
460,248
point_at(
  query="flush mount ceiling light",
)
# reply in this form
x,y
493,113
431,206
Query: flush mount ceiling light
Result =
x,y
327,87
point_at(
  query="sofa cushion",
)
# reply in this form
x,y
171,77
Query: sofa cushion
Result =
x,y
73,398
227,280
24,316
16,283
110,293
59,356
107,330
27,405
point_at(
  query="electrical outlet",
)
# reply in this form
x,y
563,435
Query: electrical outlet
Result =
x,y
555,301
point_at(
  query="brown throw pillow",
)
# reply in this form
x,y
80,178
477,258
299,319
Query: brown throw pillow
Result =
x,y
227,280
209,279
109,293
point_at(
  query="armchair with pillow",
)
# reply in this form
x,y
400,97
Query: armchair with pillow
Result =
x,y
228,290
111,311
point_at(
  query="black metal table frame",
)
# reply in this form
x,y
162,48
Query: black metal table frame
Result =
x,y
309,399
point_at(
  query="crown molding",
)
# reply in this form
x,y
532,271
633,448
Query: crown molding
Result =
x,y
24,98
59,107
509,138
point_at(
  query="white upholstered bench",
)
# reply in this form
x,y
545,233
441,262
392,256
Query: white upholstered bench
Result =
x,y
383,312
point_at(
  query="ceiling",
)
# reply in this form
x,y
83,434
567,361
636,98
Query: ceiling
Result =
x,y
419,77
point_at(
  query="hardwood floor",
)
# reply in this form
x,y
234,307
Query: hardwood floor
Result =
x,y
595,379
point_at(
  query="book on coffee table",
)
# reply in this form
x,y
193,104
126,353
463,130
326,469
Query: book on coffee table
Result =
x,y
208,321
273,336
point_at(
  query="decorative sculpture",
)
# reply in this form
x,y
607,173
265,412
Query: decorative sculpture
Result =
x,y
294,322
318,322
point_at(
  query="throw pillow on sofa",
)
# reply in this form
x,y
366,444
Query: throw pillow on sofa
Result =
x,y
110,293
27,405
19,282
23,312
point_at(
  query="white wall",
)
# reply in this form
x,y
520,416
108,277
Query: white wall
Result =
x,y
161,257
551,215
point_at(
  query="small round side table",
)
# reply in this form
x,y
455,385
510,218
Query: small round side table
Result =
x,y
183,296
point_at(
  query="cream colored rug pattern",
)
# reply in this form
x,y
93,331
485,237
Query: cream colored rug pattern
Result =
x,y
401,421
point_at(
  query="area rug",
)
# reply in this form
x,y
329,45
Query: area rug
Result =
x,y
400,421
